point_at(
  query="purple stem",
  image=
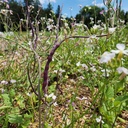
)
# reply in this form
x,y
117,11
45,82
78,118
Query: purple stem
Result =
x,y
50,56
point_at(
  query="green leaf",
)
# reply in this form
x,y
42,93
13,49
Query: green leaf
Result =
x,y
6,99
26,120
14,118
12,93
4,107
122,98
110,92
117,103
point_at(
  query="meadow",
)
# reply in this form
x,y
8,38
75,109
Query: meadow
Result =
x,y
67,77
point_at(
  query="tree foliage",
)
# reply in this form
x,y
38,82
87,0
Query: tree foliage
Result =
x,y
88,12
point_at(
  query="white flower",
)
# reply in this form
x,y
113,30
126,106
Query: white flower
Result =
x,y
84,66
122,70
13,81
111,30
61,70
96,26
55,71
2,90
51,96
28,94
66,25
106,57
81,77
107,2
50,27
29,43
55,104
78,64
120,48
93,68
98,120
4,82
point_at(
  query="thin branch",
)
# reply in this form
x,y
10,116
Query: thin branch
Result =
x,y
58,22
29,79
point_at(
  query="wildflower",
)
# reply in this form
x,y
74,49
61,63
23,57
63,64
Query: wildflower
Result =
x,y
121,49
50,20
11,12
81,77
66,25
96,26
78,64
122,70
91,18
84,66
61,70
6,1
28,94
4,82
55,104
7,6
98,120
51,96
93,69
111,30
102,12
107,2
13,81
55,71
30,7
49,27
99,21
29,43
2,90
4,11
21,19
106,57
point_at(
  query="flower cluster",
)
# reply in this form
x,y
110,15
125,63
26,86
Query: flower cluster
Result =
x,y
108,56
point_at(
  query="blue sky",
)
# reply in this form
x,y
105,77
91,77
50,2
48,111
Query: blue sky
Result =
x,y
71,7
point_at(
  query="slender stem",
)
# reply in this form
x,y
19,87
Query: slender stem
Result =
x,y
50,56
31,81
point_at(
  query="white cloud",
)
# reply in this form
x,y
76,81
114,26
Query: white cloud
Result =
x,y
47,1
100,4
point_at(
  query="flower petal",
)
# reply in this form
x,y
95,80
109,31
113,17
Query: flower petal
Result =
x,y
125,52
120,46
122,70
115,51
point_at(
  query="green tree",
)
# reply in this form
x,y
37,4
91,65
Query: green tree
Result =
x,y
48,10
17,15
58,11
88,12
126,17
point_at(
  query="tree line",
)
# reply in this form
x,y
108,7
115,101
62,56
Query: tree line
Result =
x,y
21,10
